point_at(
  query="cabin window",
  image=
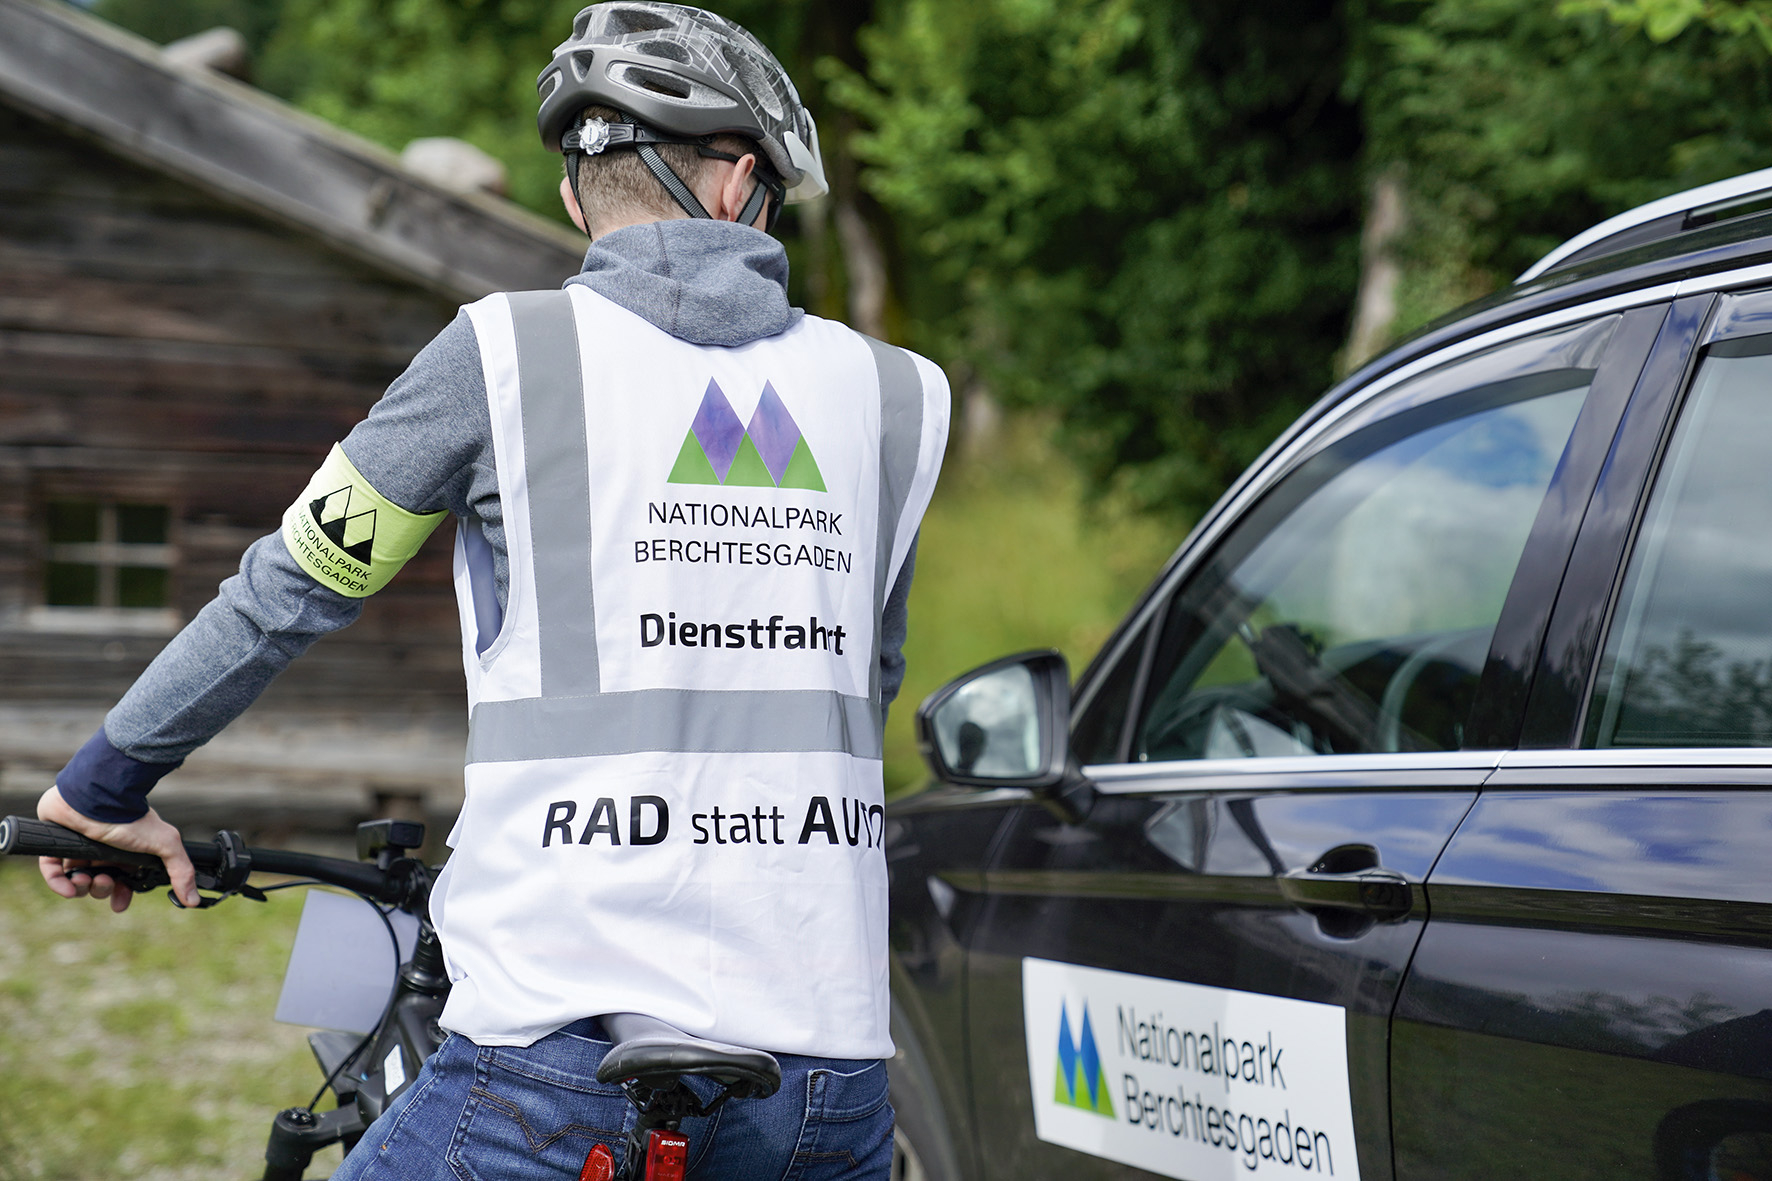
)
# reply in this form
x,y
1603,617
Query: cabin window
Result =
x,y
106,561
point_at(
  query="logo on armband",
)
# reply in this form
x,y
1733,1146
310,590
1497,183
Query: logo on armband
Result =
x,y
348,536
354,533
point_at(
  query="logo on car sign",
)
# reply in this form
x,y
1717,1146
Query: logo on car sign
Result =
x,y
1080,1083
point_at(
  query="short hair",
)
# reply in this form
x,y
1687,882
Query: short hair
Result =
x,y
612,184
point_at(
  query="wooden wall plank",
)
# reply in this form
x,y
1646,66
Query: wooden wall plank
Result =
x,y
310,376
160,346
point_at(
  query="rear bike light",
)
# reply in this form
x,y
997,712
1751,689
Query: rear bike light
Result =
x,y
599,1165
667,1155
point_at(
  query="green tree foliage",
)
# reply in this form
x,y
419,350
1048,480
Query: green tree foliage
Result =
x,y
1520,127
1663,20
395,70
168,20
1142,213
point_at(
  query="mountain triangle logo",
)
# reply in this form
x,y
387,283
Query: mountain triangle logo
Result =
x,y
354,533
1080,1083
769,453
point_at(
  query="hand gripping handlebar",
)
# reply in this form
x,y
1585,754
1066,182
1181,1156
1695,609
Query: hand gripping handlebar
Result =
x,y
222,864
40,838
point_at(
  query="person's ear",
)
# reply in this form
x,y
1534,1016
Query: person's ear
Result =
x,y
737,190
568,199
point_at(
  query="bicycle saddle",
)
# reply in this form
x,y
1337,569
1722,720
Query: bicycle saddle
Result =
x,y
656,1053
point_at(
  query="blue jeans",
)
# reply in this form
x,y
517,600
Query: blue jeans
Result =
x,y
475,1113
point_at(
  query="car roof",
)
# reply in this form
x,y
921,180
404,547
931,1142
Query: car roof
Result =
x,y
1662,220
1709,230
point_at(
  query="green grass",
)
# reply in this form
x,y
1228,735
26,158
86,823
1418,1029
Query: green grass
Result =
x,y
1011,558
141,1045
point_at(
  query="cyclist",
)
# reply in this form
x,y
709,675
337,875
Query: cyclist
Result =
x,y
687,517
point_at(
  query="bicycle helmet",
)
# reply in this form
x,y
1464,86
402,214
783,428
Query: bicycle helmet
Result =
x,y
678,75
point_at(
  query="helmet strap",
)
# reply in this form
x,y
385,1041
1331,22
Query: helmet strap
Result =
x,y
768,185
596,137
753,205
572,159
673,183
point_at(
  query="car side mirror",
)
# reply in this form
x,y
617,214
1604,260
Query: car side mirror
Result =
x,y
1007,724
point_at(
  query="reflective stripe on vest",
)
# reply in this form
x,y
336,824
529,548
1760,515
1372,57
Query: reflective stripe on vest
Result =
x,y
573,717
558,471
711,721
901,430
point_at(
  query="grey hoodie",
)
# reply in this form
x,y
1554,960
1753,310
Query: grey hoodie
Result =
x,y
427,446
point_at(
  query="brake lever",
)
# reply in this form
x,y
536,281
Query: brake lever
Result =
x,y
139,878
205,901
228,878
142,878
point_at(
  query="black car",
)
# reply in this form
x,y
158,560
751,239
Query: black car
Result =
x,y
1417,823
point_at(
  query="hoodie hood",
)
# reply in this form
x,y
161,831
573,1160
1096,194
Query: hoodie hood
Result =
x,y
703,281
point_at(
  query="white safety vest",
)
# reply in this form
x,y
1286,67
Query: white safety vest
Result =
x,y
674,795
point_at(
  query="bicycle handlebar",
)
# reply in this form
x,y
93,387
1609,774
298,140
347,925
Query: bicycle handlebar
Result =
x,y
40,838
404,883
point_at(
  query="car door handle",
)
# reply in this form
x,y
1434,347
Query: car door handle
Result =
x,y
1381,893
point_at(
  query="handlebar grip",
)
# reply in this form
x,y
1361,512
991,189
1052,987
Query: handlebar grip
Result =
x,y
405,884
40,838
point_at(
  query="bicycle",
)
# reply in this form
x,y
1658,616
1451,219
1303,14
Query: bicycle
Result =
x,y
649,1059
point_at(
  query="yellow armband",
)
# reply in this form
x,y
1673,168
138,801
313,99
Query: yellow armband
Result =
x,y
349,536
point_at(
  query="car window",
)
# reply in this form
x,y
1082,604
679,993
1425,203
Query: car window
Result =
x,y
1688,660
1351,610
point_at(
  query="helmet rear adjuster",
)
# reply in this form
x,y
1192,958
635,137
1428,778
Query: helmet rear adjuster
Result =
x,y
595,136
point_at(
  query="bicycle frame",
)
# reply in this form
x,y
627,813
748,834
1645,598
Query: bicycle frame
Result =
x,y
358,1068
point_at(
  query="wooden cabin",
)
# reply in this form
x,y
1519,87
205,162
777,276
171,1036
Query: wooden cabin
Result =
x,y
201,289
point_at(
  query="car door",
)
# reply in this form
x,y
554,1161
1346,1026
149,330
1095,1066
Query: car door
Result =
x,y
1196,978
1593,995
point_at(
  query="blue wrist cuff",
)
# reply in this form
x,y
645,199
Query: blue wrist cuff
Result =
x,y
102,783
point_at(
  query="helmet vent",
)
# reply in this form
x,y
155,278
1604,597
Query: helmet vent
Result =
x,y
581,64
658,84
549,83
665,49
619,22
